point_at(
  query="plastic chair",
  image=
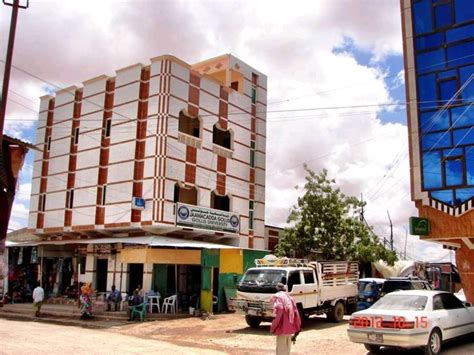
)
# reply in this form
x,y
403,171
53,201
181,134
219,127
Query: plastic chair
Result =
x,y
169,302
138,310
124,303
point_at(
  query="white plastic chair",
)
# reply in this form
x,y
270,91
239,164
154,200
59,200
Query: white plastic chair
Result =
x,y
124,303
169,302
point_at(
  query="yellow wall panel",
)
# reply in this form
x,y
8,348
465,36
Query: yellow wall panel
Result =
x,y
161,256
231,261
206,301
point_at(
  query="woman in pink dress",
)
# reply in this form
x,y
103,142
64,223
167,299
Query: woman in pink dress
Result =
x,y
287,321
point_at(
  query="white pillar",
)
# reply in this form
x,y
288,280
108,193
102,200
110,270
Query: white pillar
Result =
x,y
147,276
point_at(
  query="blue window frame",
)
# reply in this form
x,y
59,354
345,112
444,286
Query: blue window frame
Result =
x,y
453,172
462,195
464,10
436,140
460,33
443,15
422,17
447,89
434,121
432,177
463,136
460,54
430,61
427,91
462,116
470,165
445,196
429,41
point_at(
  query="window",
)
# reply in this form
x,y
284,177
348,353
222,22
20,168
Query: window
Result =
x,y
434,121
422,17
234,85
70,199
221,137
251,206
445,196
429,61
464,10
308,277
252,154
293,279
42,205
437,303
219,202
453,172
254,95
429,41
436,140
104,194
185,194
82,265
463,136
108,127
443,15
188,124
450,301
432,170
49,144
447,88
76,135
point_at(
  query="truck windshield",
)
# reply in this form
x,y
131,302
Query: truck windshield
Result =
x,y
261,280
367,287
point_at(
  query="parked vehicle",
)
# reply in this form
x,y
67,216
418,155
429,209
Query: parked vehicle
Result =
x,y
404,283
328,287
368,292
409,319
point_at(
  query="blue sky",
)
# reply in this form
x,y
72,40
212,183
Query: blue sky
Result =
x,y
319,54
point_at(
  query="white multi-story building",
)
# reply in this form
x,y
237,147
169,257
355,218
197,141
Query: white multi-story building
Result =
x,y
122,154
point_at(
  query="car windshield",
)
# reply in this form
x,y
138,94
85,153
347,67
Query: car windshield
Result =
x,y
367,287
401,303
263,277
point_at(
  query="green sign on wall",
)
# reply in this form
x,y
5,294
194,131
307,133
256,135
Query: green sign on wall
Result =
x,y
419,226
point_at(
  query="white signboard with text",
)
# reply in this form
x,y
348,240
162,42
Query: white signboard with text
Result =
x,y
206,218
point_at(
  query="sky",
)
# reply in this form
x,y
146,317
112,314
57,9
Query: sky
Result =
x,y
322,58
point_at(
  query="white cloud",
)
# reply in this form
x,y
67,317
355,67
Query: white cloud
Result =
x,y
292,43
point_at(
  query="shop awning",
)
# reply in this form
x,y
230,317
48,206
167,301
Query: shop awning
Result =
x,y
155,241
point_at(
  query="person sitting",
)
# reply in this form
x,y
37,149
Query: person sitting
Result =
x,y
115,297
134,300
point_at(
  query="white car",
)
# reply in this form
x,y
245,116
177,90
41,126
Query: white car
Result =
x,y
410,319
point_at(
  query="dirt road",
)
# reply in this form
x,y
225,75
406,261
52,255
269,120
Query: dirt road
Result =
x,y
223,334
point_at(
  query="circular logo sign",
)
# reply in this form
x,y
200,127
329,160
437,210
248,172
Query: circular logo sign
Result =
x,y
183,212
234,221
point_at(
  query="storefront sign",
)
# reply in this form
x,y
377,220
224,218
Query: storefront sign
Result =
x,y
419,226
206,218
102,249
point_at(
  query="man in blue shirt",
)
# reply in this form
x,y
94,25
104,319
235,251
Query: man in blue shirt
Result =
x,y
115,297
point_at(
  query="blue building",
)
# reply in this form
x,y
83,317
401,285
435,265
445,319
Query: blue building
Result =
x,y
439,75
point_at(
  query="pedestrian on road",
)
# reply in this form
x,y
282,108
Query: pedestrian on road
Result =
x,y
287,320
38,298
86,302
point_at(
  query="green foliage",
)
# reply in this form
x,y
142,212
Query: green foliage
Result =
x,y
326,226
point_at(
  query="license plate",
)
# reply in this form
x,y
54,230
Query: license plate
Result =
x,y
378,338
252,311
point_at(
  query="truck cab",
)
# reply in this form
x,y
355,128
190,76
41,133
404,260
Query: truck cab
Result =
x,y
368,292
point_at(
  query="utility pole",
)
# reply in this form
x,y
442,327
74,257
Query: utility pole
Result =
x,y
391,231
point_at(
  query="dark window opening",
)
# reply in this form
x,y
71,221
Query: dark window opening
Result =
x,y
82,265
251,220
43,202
189,125
49,144
308,277
108,127
234,85
104,192
220,202
251,204
185,195
254,95
293,279
76,135
70,202
221,137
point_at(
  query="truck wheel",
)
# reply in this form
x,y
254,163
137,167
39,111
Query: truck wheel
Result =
x,y
337,313
252,321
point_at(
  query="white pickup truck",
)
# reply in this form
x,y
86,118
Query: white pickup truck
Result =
x,y
327,287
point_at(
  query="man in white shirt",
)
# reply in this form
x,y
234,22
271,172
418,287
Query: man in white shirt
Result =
x,y
38,297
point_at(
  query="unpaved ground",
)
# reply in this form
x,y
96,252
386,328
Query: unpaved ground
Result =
x,y
224,334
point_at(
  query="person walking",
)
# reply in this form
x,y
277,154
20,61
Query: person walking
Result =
x,y
287,321
38,298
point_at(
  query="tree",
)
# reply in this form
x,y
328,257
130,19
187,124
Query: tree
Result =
x,y
325,225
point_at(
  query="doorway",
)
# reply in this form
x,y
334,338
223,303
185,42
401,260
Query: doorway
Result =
x,y
135,277
101,275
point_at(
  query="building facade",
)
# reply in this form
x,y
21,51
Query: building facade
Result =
x,y
164,150
439,74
